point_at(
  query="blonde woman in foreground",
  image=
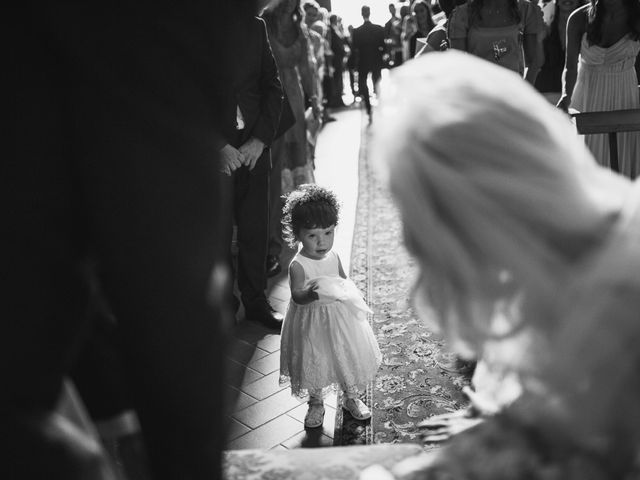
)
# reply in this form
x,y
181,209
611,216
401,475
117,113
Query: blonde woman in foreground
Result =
x,y
529,258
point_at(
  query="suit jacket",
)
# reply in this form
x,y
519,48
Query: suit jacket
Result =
x,y
252,84
368,43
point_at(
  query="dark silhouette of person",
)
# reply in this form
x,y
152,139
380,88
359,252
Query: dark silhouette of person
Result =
x,y
115,159
368,44
253,103
339,48
393,40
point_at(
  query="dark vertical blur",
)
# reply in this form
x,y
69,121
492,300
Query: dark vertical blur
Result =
x,y
115,160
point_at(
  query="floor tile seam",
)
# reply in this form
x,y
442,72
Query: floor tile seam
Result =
x,y
258,404
295,434
248,395
259,400
239,338
231,417
245,366
270,418
265,373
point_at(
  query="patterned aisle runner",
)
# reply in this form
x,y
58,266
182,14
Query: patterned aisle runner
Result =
x,y
410,385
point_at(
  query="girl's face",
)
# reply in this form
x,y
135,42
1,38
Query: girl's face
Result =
x,y
316,242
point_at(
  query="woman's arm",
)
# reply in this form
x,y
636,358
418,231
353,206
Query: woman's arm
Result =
x,y
300,293
458,27
534,33
576,26
532,51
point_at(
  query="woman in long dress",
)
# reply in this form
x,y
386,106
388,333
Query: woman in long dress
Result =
x,y
603,41
292,164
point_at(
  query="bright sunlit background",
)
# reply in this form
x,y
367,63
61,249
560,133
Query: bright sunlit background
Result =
x,y
349,10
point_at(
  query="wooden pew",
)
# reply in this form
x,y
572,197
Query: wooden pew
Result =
x,y
611,123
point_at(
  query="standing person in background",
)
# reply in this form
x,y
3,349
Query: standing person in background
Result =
x,y
339,48
351,63
554,44
317,31
549,79
317,20
505,32
405,18
419,24
392,37
254,94
291,48
437,39
368,45
603,41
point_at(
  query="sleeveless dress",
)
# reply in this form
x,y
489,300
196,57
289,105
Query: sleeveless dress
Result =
x,y
607,80
327,343
500,45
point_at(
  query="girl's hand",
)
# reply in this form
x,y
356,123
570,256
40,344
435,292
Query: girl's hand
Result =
x,y
312,286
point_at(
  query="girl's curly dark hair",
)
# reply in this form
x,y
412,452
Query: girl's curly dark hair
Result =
x,y
309,206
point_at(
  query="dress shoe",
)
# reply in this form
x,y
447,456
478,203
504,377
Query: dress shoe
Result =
x,y
263,313
273,266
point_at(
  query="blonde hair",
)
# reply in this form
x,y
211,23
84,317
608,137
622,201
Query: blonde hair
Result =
x,y
498,194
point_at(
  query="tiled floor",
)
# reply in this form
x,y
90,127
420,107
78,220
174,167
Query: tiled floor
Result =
x,y
263,414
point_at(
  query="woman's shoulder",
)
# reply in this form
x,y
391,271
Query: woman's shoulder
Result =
x,y
580,14
459,20
297,262
460,12
532,16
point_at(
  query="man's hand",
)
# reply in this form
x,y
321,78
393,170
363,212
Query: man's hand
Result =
x,y
251,150
230,159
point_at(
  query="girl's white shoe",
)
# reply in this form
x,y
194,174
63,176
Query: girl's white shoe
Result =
x,y
356,408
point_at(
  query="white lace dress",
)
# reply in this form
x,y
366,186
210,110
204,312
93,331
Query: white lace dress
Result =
x,y
327,343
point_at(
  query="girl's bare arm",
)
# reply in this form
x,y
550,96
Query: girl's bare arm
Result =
x,y
300,293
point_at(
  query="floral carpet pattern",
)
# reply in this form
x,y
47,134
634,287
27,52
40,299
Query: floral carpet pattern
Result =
x,y
410,385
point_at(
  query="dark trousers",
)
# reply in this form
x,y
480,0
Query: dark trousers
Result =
x,y
275,203
250,204
363,87
114,159
337,86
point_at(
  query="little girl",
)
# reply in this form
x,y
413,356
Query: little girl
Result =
x,y
326,338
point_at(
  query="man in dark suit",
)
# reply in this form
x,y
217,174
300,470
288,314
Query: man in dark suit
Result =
x,y
253,101
368,44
